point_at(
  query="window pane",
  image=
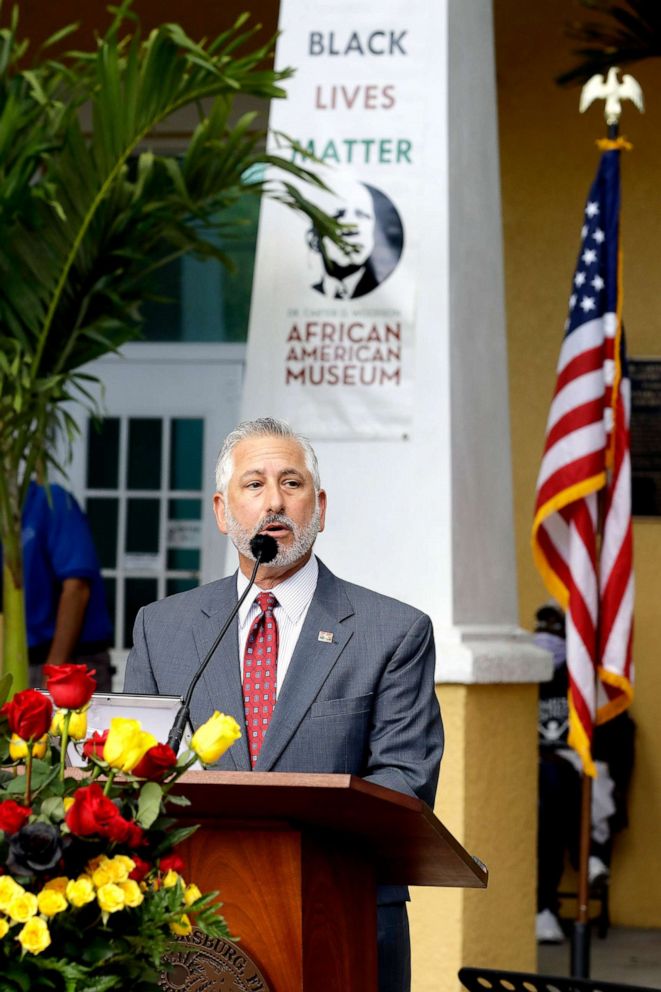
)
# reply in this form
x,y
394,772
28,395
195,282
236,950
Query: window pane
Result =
x,y
186,559
201,300
102,514
184,534
173,586
137,593
110,588
185,509
145,446
162,315
103,454
186,454
142,526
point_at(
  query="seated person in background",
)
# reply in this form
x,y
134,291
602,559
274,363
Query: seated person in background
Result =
x,y
65,607
560,782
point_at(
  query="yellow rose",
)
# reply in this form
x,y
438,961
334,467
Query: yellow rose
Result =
x,y
58,884
51,902
22,907
34,937
125,865
80,892
18,747
118,869
8,890
103,875
126,743
4,927
191,894
94,863
110,897
182,927
132,893
77,724
113,870
171,878
214,737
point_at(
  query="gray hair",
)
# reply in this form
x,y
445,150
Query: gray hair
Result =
x,y
262,427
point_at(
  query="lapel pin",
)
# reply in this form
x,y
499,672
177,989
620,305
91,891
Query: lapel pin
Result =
x,y
326,636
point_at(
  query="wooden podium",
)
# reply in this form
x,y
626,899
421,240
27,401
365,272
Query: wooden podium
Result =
x,y
296,859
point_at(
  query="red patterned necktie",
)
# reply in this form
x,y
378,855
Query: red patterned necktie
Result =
x,y
260,662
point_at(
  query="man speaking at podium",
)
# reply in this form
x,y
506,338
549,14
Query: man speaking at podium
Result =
x,y
326,676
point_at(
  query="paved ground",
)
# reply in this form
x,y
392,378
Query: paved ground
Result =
x,y
629,956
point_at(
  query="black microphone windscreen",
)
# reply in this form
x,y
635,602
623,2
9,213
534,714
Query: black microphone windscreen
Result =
x,y
264,547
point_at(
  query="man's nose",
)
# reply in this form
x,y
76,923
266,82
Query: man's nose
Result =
x,y
274,500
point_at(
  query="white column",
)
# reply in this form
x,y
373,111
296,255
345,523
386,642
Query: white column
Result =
x,y
427,517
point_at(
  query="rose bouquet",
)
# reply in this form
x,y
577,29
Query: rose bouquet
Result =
x,y
91,887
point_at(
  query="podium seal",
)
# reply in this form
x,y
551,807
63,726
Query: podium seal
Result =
x,y
210,964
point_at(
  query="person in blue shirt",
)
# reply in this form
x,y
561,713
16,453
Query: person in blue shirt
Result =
x,y
66,613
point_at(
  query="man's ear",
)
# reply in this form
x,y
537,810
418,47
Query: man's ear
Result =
x,y
219,512
323,501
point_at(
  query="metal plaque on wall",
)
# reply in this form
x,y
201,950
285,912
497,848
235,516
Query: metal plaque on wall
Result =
x,y
645,375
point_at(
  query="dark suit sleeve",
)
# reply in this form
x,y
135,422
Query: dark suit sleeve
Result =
x,y
139,675
406,743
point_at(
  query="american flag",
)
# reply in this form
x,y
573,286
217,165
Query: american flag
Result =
x,y
582,539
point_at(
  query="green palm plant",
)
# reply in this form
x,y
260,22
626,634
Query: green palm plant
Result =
x,y
627,32
86,216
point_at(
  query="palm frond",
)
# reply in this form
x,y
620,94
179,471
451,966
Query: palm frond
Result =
x,y
87,217
625,34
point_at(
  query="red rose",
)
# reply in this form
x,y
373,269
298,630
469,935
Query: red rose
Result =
x,y
13,816
135,835
70,686
156,763
141,870
171,862
94,813
29,714
93,746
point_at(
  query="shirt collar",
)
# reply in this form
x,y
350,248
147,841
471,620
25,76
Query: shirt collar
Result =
x,y
293,595
342,289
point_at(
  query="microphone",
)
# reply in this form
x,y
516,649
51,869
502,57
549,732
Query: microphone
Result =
x,y
264,549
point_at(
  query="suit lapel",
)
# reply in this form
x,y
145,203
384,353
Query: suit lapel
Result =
x,y
222,676
310,664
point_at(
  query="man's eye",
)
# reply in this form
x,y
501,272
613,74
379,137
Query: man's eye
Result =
x,y
292,483
253,485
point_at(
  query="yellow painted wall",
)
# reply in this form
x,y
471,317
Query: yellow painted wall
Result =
x,y
487,798
548,160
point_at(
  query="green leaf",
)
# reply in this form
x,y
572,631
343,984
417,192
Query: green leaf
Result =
x,y
5,686
178,800
173,838
149,804
53,808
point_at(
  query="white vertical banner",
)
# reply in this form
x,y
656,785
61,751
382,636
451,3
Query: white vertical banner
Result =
x,y
332,335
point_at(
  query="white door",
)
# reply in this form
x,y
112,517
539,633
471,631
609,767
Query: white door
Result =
x,y
145,474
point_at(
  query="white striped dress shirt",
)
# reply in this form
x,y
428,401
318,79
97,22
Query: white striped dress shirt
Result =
x,y
294,596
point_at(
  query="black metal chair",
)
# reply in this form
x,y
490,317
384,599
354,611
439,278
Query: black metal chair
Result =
x,y
497,980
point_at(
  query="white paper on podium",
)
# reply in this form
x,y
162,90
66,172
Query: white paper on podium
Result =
x,y
155,713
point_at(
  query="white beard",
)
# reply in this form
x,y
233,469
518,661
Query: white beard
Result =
x,y
304,537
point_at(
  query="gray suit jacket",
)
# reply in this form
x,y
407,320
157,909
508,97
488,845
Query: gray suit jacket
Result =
x,y
363,704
